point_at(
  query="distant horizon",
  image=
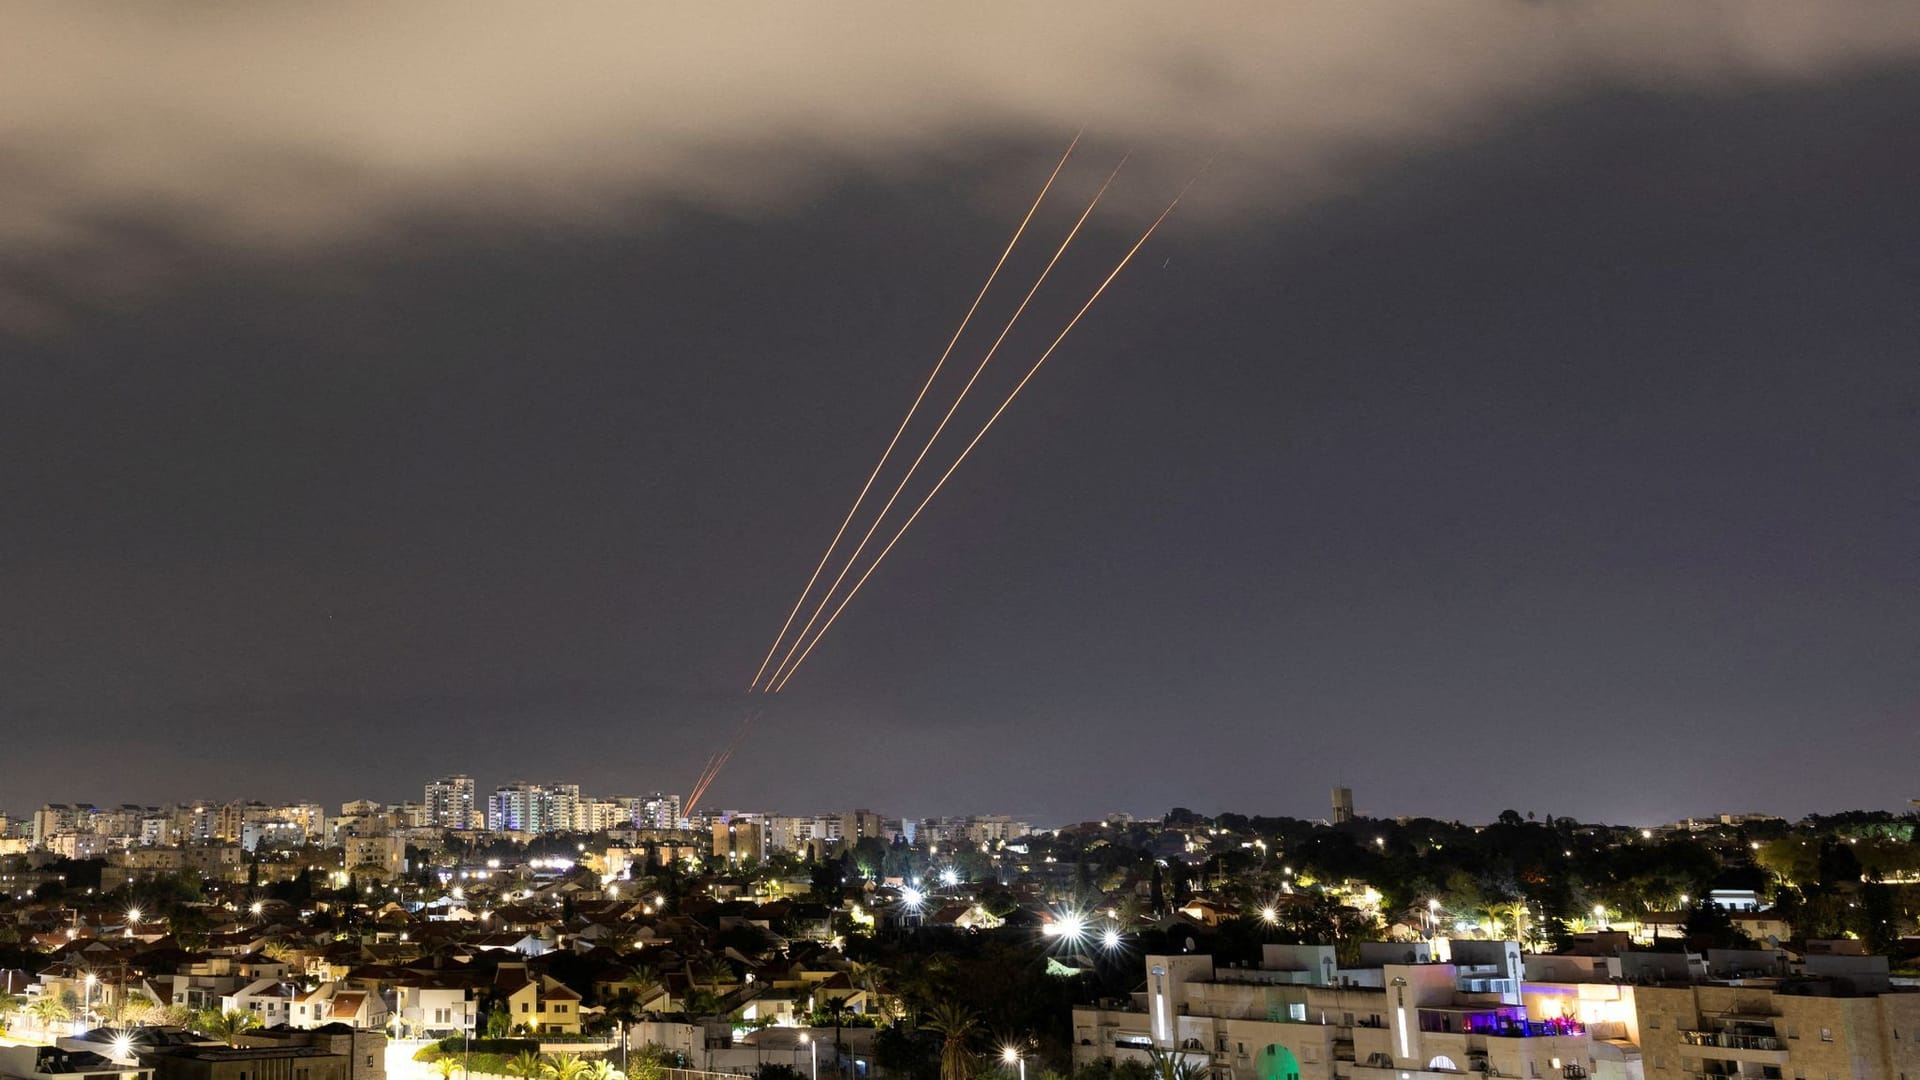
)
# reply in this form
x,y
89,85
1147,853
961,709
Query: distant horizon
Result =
x,y
1034,821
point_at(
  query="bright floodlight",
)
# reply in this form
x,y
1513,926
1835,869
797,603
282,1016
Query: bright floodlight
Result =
x,y
1009,1055
912,897
1073,927
258,907
950,877
1269,914
123,1046
1110,938
133,914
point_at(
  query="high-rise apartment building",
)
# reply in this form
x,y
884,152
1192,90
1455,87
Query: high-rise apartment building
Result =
x,y
449,802
533,808
740,840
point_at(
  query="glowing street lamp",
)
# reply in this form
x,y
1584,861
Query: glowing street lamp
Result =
x,y
133,919
1014,1058
813,1053
1269,915
1071,928
1110,939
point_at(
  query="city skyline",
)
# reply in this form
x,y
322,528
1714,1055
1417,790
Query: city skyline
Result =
x,y
1518,413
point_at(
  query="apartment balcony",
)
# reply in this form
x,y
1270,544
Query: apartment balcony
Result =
x,y
1724,1053
1729,1040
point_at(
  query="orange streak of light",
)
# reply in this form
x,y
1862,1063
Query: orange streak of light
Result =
x,y
854,558
827,555
781,684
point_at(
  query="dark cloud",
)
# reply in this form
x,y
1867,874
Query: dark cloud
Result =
x,y
268,127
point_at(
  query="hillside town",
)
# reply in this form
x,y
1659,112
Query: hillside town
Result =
x,y
541,932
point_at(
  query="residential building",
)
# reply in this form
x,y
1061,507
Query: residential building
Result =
x,y
449,802
385,855
532,808
1735,1013
1299,1016
858,825
539,1003
740,840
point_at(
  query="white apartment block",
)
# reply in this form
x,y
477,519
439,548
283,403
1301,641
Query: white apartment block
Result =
x,y
1300,1016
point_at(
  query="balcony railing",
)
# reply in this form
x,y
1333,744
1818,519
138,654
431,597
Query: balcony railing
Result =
x,y
1727,1040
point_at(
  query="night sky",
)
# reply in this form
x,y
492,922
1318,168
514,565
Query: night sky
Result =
x,y
1521,412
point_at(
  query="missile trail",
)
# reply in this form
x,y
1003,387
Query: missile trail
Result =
x,y
911,518
716,763
827,555
854,558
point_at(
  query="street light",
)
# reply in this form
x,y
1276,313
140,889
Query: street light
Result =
x,y
1013,1057
813,1053
87,1006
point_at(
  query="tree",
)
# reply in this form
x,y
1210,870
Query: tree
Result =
x,y
9,1004
563,1067
49,1010
1173,1065
525,1064
716,972
957,1026
598,1069
624,1005
444,1067
499,1021
1708,926
836,1011
225,1026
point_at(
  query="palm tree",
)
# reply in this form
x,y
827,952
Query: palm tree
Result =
x,y
525,1064
626,1004
226,1026
1173,1065
877,982
444,1067
563,1067
599,1069
717,972
958,1024
49,1010
836,1010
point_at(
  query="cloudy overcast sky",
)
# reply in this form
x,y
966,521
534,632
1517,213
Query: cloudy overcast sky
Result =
x,y
1520,412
